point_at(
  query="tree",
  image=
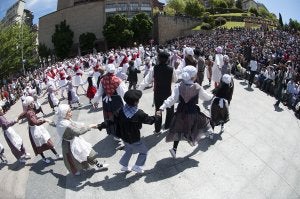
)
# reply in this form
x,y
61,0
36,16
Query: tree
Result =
x,y
280,20
86,41
44,51
194,8
11,41
219,21
263,12
169,11
239,4
177,5
219,4
141,25
117,31
254,11
62,40
155,11
294,24
230,3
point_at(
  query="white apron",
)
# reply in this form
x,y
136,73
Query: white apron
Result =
x,y
14,138
39,135
1,147
54,99
80,149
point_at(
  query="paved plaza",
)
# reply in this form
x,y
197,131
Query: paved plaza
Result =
x,y
256,157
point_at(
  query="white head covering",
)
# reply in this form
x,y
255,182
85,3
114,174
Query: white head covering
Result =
x,y
62,123
189,51
110,68
28,100
226,79
226,58
188,73
219,49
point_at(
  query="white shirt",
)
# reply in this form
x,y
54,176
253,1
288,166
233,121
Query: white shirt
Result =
x,y
170,101
253,65
150,77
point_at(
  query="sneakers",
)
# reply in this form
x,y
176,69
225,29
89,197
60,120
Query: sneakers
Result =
x,y
59,156
173,153
126,169
27,156
46,160
102,166
137,169
121,147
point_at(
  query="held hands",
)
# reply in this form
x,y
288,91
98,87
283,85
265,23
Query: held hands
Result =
x,y
158,113
93,126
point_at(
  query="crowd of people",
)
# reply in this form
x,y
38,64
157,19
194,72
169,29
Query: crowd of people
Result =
x,y
269,59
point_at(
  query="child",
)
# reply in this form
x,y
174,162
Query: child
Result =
x,y
14,141
129,121
132,75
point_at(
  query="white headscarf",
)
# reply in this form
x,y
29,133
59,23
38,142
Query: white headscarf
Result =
x,y
28,100
188,73
110,68
62,123
226,79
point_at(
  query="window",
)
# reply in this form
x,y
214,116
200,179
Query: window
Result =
x,y
134,6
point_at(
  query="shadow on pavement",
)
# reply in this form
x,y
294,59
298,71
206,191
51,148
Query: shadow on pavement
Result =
x,y
169,167
106,147
249,89
243,83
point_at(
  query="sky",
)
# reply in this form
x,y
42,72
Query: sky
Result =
x,y
287,8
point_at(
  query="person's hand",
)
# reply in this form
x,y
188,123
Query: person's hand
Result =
x,y
158,113
93,126
47,120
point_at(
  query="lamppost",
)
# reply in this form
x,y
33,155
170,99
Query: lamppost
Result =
x,y
22,42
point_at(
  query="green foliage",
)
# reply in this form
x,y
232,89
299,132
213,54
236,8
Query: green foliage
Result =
x,y
206,26
219,21
86,41
239,4
294,25
263,12
219,3
208,19
230,3
254,11
194,8
11,41
141,25
117,31
62,40
169,11
280,20
44,51
177,5
155,11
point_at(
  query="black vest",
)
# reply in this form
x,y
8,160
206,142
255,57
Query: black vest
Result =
x,y
162,81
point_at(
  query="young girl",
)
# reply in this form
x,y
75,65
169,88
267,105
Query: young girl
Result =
x,y
13,140
188,123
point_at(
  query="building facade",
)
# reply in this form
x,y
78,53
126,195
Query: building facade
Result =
x,y
87,16
17,14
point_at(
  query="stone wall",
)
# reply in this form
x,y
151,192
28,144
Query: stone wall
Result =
x,y
81,19
171,27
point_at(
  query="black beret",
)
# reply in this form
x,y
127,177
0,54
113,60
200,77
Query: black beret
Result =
x,y
132,96
163,54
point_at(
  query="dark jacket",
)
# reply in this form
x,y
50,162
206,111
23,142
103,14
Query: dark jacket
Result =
x,y
162,81
128,129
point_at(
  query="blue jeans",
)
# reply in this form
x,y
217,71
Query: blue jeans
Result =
x,y
137,147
